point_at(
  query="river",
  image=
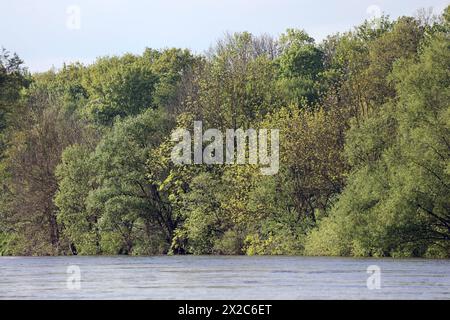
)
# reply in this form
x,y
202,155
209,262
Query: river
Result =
x,y
216,277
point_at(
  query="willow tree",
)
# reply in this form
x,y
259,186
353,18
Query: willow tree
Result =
x,y
396,201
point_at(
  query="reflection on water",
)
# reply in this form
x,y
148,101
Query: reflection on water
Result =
x,y
190,277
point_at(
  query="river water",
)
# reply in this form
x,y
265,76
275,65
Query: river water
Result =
x,y
211,277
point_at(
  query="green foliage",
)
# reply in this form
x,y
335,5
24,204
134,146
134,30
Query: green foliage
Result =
x,y
396,201
105,193
237,86
301,65
118,87
30,183
13,78
80,226
364,120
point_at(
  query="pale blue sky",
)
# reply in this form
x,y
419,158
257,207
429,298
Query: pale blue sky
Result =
x,y
38,30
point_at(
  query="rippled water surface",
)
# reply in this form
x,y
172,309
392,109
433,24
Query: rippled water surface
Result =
x,y
189,277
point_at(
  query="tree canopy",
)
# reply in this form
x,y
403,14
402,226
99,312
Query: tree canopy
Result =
x,y
364,124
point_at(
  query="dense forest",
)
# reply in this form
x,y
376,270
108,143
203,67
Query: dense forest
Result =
x,y
364,120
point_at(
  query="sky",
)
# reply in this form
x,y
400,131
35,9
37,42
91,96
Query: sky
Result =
x,y
47,33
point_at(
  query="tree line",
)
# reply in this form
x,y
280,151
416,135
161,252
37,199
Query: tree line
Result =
x,y
364,122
